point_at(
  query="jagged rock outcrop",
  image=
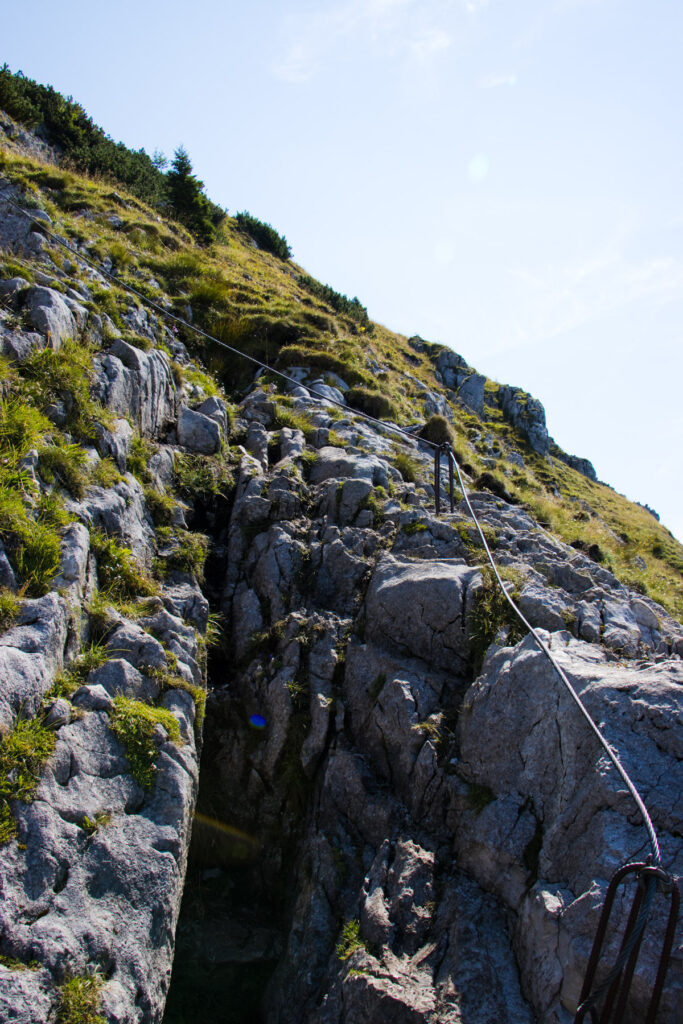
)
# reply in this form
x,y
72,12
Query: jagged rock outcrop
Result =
x,y
402,816
528,415
139,384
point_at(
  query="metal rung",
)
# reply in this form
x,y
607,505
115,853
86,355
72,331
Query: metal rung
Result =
x,y
613,990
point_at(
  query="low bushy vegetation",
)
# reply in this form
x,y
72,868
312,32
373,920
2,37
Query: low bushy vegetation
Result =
x,y
88,148
352,308
265,235
492,613
374,403
438,430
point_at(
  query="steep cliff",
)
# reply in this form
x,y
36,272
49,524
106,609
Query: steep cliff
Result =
x,y
400,815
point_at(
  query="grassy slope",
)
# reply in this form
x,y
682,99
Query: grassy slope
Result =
x,y
256,302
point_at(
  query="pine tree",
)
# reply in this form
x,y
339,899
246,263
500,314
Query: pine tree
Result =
x,y
186,196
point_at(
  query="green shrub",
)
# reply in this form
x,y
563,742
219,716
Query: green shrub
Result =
x,y
438,430
65,374
133,724
22,427
187,200
91,657
374,403
490,613
340,303
105,473
161,506
79,1001
265,236
170,681
489,482
37,557
344,364
188,554
479,797
414,527
23,752
140,452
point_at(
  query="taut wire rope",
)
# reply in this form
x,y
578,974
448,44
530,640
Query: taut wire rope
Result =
x,y
399,430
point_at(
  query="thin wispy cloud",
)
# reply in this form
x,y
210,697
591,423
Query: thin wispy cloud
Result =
x,y
566,297
428,44
497,81
397,28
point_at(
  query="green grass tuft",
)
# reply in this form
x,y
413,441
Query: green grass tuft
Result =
x,y
79,1001
133,724
118,571
350,940
23,752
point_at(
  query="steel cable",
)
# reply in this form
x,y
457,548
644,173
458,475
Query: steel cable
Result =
x,y
654,843
399,430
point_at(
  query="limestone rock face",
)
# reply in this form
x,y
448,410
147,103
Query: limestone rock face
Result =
x,y
104,893
391,829
55,317
421,609
31,653
586,823
139,384
198,432
528,415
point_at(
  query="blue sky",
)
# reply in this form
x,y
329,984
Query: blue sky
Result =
x,y
502,177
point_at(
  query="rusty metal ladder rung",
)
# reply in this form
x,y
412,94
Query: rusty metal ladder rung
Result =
x,y
616,985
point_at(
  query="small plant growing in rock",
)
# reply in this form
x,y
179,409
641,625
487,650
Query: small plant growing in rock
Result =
x,y
9,608
374,403
140,452
408,467
79,1001
118,571
414,527
169,680
105,474
479,797
133,723
90,825
350,940
187,554
63,462
203,477
161,506
491,612
23,752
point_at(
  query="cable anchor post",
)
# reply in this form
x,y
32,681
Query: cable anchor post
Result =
x,y
613,989
448,450
443,449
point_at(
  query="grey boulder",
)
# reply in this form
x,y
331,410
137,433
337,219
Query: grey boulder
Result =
x,y
197,432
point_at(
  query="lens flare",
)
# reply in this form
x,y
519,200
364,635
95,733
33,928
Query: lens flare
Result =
x,y
227,830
